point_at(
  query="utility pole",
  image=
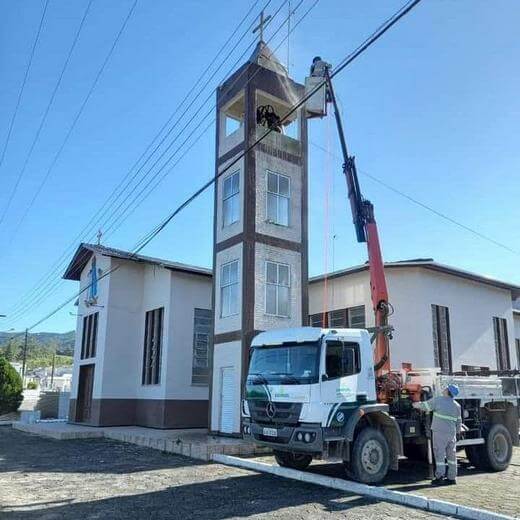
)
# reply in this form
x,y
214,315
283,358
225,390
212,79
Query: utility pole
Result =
x,y
52,369
24,360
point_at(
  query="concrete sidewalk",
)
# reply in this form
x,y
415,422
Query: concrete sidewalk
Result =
x,y
195,443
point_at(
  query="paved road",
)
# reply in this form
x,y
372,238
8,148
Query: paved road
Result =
x,y
498,492
46,479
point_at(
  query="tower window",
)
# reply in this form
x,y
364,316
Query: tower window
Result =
x,y
277,289
229,289
278,198
230,199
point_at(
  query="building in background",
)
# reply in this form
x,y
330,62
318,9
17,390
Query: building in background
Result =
x,y
142,340
443,316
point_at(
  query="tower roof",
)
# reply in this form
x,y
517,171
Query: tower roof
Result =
x,y
265,57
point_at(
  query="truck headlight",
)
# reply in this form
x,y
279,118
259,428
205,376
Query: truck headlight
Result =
x,y
307,437
245,408
299,436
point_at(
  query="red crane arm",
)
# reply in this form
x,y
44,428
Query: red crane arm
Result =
x,y
366,231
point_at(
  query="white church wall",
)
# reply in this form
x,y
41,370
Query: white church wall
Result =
x,y
103,263
156,294
412,291
123,345
188,292
472,308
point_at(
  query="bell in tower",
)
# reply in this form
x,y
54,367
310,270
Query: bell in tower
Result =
x,y
260,223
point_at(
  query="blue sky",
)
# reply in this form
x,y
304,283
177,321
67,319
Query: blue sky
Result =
x,y
432,109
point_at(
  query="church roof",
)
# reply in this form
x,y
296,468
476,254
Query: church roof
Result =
x,y
85,252
264,56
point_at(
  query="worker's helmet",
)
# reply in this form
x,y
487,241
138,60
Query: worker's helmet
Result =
x,y
316,58
453,390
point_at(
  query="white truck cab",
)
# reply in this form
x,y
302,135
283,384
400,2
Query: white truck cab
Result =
x,y
306,390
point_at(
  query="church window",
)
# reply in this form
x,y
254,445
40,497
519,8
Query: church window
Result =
x,y
277,289
89,336
278,198
229,289
230,199
153,329
201,342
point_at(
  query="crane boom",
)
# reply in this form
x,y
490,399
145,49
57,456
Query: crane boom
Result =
x,y
366,231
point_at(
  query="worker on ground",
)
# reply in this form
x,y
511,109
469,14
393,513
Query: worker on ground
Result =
x,y
446,425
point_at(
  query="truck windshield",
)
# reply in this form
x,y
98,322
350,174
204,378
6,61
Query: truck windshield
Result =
x,y
285,364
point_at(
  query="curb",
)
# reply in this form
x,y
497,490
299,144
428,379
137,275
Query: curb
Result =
x,y
381,493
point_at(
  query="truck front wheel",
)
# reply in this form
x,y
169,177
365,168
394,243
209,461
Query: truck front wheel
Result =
x,y
370,458
298,461
495,454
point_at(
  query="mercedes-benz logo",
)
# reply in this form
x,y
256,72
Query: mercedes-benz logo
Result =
x,y
270,409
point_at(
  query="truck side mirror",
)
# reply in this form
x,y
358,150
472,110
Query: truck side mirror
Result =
x,y
324,377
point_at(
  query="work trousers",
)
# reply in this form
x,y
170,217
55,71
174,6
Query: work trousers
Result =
x,y
444,454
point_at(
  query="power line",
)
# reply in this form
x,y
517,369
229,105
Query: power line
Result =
x,y
46,113
382,29
76,118
18,102
51,290
93,219
424,205
138,248
343,64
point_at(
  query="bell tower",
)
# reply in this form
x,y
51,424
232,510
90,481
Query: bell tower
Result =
x,y
260,223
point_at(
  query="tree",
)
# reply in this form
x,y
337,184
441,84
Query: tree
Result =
x,y
11,388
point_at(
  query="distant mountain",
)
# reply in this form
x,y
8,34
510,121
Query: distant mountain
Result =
x,y
64,341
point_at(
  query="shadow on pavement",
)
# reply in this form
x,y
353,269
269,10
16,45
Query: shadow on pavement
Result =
x,y
21,451
238,496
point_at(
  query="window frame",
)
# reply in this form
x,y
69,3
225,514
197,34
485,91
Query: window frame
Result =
x,y
151,369
357,358
229,197
277,285
89,335
222,287
501,338
207,315
437,335
278,196
347,316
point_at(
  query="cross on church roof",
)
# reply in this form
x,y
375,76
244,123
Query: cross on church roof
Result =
x,y
264,21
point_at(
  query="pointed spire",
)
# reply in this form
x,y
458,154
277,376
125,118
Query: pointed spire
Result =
x,y
264,57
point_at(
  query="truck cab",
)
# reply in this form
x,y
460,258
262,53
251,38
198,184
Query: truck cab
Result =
x,y
309,393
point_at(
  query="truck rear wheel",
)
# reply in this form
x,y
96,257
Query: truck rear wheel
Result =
x,y
370,458
298,461
496,453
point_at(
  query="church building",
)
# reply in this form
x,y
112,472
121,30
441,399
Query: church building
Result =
x,y
166,345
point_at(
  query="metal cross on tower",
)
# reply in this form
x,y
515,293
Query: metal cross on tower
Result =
x,y
264,21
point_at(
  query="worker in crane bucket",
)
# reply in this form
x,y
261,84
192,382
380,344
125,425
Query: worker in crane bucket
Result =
x,y
446,425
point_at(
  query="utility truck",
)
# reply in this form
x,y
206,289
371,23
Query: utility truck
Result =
x,y
331,394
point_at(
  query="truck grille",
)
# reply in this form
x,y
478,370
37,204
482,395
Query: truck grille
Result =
x,y
284,413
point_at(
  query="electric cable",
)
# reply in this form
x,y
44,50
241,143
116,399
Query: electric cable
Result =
x,y
47,109
17,107
76,118
343,64
43,282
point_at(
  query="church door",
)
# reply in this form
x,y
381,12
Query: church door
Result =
x,y
227,400
85,386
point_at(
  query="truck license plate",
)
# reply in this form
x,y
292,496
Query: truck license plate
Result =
x,y
270,432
